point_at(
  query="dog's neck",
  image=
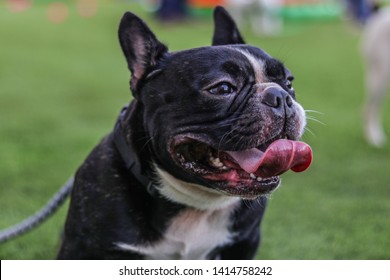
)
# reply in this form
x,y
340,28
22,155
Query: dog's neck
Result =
x,y
192,195
127,154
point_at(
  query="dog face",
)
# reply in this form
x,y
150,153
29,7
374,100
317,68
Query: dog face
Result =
x,y
222,117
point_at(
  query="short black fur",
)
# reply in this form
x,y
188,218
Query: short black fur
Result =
x,y
173,102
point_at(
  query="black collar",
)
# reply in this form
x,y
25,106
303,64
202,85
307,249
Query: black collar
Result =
x,y
127,154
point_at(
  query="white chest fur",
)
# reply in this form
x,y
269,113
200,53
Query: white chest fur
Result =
x,y
196,231
191,235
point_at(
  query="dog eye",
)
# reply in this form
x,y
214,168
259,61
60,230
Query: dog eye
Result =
x,y
222,89
289,83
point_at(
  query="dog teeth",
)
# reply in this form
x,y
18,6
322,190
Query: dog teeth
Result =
x,y
216,162
254,177
180,157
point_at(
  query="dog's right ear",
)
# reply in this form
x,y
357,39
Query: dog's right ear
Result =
x,y
140,46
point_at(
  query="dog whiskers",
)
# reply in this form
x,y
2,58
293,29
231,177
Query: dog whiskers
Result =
x,y
226,135
150,139
315,120
310,131
312,118
254,203
314,111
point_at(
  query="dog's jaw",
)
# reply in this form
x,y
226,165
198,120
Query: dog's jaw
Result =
x,y
190,194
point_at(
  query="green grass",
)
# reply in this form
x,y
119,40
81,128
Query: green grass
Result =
x,y
62,86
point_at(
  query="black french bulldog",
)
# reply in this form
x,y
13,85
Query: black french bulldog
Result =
x,y
186,171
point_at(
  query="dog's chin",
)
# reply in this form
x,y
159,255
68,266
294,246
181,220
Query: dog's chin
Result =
x,y
217,169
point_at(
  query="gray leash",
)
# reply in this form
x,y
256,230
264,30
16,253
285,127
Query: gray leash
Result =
x,y
35,220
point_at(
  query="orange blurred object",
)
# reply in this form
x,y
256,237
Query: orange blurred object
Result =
x,y
57,12
205,3
16,6
87,8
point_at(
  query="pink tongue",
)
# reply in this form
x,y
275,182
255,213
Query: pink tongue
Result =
x,y
281,156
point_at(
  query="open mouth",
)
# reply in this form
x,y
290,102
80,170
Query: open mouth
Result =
x,y
249,172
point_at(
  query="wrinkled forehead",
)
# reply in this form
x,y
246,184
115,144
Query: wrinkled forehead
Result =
x,y
264,65
232,59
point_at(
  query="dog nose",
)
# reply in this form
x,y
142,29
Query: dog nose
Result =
x,y
277,98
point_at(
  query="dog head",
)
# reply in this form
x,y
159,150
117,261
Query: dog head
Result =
x,y
222,119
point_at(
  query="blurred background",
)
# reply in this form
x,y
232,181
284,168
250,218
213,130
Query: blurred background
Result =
x,y
63,81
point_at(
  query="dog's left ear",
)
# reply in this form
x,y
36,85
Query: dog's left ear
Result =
x,y
225,29
140,46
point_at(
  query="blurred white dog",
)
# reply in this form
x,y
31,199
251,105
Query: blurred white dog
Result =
x,y
262,15
376,54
